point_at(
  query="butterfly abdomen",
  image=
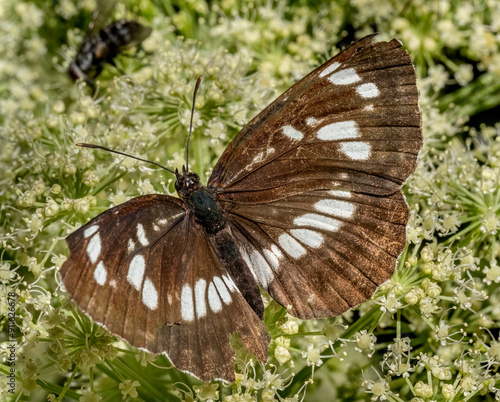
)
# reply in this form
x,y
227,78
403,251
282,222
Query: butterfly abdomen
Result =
x,y
232,260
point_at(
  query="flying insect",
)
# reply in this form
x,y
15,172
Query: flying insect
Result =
x,y
103,43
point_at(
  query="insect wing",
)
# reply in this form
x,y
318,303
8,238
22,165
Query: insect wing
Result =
x,y
100,16
312,184
321,252
353,124
138,33
149,274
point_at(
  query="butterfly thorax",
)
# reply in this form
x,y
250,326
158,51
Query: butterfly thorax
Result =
x,y
201,200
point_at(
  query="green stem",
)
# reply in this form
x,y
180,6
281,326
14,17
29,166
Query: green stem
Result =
x,y
68,383
479,95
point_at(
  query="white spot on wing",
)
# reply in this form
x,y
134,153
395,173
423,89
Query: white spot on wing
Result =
x,y
368,90
339,131
276,251
112,283
156,228
310,237
141,235
162,221
222,289
292,133
356,150
136,270
262,268
100,274
214,299
311,121
318,222
258,158
187,306
246,258
368,107
291,246
272,259
330,69
90,231
261,156
199,297
340,193
94,248
229,283
149,295
131,245
342,209
344,77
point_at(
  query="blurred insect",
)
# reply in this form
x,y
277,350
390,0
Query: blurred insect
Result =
x,y
103,43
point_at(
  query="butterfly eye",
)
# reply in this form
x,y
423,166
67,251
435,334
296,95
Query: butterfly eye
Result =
x,y
179,184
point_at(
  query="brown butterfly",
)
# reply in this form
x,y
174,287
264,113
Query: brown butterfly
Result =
x,y
305,203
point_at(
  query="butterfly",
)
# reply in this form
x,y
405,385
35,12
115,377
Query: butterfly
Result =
x,y
305,202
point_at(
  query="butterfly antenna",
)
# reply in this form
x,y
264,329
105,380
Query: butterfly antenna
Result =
x,y
84,145
197,86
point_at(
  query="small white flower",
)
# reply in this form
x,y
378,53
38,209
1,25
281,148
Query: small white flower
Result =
x,y
365,341
90,178
51,208
312,355
290,327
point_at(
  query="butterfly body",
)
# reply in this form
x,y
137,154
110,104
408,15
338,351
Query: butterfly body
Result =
x,y
305,203
202,204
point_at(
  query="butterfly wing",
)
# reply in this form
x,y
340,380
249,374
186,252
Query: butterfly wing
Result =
x,y
312,184
352,124
148,273
321,252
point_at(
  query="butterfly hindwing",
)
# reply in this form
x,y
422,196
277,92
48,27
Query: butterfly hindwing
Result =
x,y
148,273
353,123
212,309
322,252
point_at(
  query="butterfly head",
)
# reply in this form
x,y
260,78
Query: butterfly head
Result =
x,y
186,183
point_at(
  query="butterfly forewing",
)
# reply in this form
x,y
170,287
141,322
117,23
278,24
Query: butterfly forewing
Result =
x,y
107,272
353,123
148,273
